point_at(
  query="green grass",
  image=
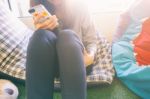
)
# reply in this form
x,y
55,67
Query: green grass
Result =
x,y
115,91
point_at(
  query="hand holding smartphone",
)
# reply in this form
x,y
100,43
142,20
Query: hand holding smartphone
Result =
x,y
42,18
40,9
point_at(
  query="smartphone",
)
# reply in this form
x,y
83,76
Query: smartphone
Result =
x,y
40,9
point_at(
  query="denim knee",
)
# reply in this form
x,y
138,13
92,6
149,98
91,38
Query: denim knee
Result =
x,y
69,39
65,36
44,35
66,33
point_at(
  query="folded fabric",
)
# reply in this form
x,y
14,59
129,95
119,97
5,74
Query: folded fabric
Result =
x,y
131,74
130,54
142,45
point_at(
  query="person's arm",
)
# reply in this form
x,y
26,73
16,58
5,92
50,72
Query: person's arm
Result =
x,y
122,25
89,33
89,37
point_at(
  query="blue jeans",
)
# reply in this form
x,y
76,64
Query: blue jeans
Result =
x,y
49,55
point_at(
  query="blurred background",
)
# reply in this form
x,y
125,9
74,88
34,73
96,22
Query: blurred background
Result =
x,y
20,7
105,12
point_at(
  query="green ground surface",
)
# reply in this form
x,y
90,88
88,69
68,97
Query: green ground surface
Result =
x,y
115,91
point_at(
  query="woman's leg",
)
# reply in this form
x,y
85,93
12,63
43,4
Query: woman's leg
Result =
x,y
41,65
71,65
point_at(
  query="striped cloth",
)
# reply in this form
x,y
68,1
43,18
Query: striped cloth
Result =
x,y
13,41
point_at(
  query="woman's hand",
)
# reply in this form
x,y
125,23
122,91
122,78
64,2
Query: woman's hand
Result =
x,y
49,24
88,58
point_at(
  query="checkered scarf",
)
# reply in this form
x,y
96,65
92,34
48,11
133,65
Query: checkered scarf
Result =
x,y
13,42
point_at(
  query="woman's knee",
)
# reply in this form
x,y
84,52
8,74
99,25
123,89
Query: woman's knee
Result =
x,y
69,39
44,35
66,33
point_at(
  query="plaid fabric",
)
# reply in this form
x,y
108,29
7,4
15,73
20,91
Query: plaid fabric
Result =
x,y
102,69
13,42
